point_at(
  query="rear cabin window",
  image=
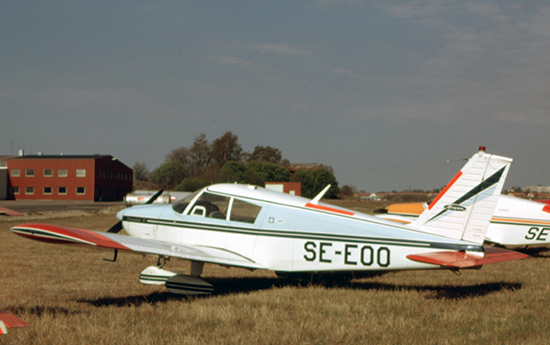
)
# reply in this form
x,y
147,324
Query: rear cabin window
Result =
x,y
243,211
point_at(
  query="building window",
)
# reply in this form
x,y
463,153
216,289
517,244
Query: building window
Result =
x,y
29,190
48,172
29,172
61,190
47,190
15,172
80,172
62,173
80,190
15,190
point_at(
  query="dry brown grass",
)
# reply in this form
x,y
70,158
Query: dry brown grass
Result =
x,y
70,295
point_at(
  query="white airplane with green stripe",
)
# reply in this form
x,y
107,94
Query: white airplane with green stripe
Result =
x,y
251,227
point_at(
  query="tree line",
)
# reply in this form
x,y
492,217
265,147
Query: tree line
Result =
x,y
224,160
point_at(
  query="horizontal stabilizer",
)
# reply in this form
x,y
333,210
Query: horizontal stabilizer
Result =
x,y
465,260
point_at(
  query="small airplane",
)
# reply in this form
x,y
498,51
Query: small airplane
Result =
x,y
8,320
254,228
515,222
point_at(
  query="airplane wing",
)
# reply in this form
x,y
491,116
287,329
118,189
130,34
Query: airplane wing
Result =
x,y
10,321
60,234
455,259
8,212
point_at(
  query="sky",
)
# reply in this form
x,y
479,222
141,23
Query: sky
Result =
x,y
393,95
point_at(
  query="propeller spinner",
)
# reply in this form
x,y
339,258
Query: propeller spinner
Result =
x,y
118,226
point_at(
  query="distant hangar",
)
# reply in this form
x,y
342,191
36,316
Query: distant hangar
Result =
x,y
64,177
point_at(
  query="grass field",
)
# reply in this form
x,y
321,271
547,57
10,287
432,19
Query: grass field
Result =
x,y
70,295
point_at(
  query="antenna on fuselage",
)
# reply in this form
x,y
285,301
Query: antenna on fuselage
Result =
x,y
320,195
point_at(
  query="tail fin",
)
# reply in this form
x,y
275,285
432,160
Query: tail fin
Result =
x,y
463,209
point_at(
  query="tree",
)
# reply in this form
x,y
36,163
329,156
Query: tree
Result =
x,y
190,184
226,148
347,191
211,174
181,154
315,180
516,189
260,172
255,172
254,177
266,154
141,172
233,172
200,155
305,177
169,174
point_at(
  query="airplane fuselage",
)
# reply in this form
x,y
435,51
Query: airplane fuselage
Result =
x,y
519,222
288,233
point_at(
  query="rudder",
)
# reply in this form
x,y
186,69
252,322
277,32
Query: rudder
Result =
x,y
463,209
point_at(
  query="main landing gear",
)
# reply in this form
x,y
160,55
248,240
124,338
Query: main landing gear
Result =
x,y
176,281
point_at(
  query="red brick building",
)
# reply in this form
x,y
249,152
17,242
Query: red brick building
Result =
x,y
293,188
82,177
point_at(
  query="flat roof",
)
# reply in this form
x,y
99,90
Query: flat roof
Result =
x,y
62,157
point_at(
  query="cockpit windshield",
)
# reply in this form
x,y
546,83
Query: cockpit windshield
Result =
x,y
180,205
211,205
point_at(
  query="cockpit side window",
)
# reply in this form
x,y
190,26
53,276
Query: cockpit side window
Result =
x,y
210,205
242,211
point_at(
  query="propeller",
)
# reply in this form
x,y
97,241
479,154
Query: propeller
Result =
x,y
115,229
